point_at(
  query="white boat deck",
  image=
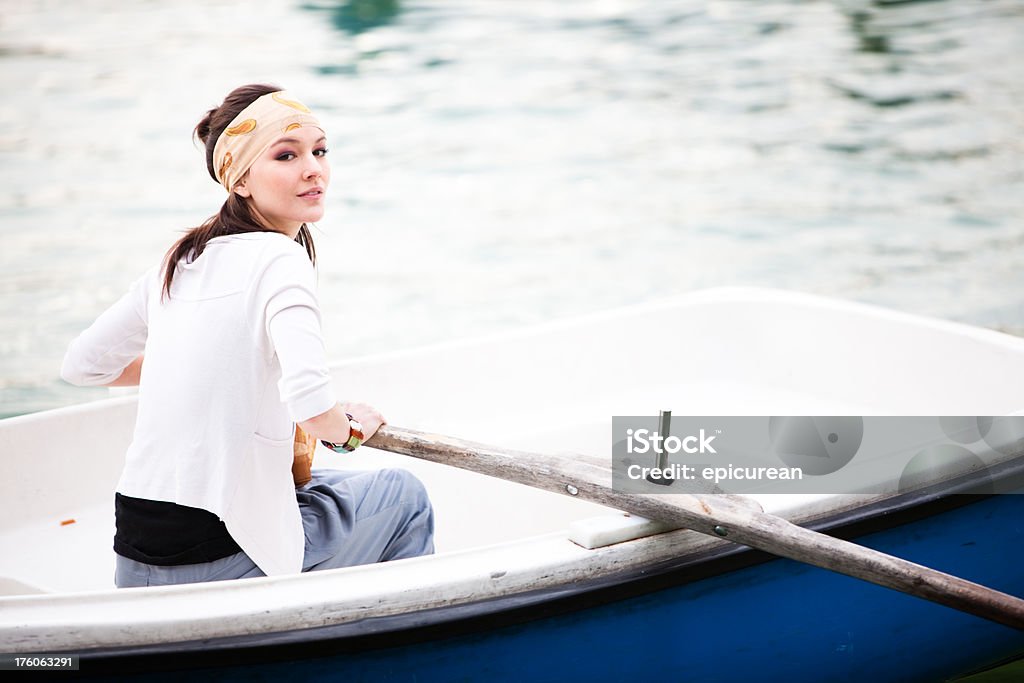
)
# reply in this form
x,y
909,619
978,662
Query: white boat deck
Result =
x,y
552,389
50,555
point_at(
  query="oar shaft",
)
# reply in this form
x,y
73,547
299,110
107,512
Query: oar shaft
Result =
x,y
718,516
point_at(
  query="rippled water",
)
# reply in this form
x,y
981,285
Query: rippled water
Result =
x,y
506,162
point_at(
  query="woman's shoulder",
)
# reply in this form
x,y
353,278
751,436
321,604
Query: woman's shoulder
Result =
x,y
259,246
273,257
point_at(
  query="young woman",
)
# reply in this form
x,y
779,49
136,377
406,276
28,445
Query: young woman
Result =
x,y
229,327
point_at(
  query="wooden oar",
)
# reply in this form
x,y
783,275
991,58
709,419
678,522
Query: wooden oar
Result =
x,y
715,515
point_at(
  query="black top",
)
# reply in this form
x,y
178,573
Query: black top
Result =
x,y
167,534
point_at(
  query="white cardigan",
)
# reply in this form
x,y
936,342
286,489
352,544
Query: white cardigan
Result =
x,y
213,431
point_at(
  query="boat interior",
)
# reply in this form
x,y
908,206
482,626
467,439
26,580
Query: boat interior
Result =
x,y
551,389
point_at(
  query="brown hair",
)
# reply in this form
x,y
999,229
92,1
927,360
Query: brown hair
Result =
x,y
234,216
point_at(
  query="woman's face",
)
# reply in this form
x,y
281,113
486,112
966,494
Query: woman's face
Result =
x,y
287,184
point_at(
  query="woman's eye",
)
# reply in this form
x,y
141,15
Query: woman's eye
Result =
x,y
321,152
285,156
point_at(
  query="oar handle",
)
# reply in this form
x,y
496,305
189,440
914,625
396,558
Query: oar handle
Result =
x,y
716,515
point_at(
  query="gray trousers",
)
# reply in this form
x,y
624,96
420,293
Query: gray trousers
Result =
x,y
349,518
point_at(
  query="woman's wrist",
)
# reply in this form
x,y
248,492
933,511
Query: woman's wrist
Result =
x,y
355,437
130,376
331,425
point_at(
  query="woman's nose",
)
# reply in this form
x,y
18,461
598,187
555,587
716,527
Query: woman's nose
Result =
x,y
312,167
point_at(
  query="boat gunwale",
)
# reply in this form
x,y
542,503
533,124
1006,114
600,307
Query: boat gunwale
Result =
x,y
437,623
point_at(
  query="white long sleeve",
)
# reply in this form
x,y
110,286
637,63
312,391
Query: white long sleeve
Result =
x,y
294,327
115,339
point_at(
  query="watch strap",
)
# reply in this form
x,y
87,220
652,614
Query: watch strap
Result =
x,y
355,437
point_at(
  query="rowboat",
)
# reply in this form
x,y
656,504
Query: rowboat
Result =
x,y
528,584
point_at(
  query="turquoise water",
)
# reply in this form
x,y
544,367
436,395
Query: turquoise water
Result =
x,y
507,162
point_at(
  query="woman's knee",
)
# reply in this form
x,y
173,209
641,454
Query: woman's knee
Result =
x,y
411,488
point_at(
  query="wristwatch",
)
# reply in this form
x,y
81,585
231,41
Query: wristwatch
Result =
x,y
355,437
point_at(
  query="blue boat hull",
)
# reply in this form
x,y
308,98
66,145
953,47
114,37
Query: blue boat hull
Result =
x,y
734,617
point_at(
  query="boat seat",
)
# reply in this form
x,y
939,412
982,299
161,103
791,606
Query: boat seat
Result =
x,y
605,530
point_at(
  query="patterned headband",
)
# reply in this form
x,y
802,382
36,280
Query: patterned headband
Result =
x,y
254,130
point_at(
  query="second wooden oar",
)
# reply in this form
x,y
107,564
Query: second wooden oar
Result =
x,y
715,515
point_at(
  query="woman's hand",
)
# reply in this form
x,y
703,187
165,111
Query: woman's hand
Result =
x,y
333,425
366,415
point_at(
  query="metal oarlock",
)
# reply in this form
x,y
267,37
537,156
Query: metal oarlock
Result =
x,y
661,463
